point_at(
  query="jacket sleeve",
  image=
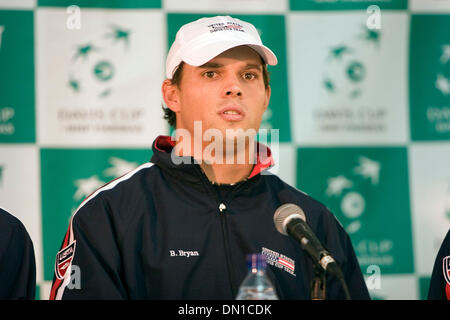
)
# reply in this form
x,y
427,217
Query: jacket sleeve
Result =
x,y
440,278
353,275
17,260
89,262
339,244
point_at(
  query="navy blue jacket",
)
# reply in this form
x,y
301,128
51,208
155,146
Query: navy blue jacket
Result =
x,y
163,231
17,261
440,278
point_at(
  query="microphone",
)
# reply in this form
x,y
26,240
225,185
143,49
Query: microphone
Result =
x,y
290,220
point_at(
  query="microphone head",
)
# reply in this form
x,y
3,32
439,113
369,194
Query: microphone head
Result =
x,y
284,214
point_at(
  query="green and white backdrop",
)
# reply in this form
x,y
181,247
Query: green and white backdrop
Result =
x,y
361,97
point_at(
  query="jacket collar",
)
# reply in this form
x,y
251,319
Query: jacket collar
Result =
x,y
162,149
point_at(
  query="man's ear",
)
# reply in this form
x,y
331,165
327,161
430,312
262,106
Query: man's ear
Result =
x,y
267,98
170,94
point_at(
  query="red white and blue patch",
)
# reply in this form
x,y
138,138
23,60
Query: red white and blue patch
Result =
x,y
446,269
279,260
63,260
446,272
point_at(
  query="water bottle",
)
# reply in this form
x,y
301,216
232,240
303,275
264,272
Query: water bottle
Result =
x,y
256,285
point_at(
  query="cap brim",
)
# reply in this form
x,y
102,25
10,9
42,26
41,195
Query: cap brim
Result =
x,y
202,54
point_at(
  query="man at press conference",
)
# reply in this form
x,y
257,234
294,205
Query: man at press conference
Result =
x,y
181,226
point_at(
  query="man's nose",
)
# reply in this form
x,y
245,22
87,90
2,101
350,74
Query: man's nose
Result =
x,y
232,88
234,92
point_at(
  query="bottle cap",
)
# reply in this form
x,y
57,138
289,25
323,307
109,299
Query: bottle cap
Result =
x,y
256,261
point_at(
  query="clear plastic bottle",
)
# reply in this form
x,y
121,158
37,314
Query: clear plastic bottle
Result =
x,y
256,285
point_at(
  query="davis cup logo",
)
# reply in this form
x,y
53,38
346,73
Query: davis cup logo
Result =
x,y
84,186
442,79
93,59
446,269
345,71
344,187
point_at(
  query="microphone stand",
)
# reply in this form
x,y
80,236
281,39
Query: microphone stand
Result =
x,y
318,284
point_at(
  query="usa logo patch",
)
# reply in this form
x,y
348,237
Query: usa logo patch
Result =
x,y
63,260
446,269
279,260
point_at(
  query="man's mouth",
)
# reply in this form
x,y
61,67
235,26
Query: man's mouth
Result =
x,y
232,113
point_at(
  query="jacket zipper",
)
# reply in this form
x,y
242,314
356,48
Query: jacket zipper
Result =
x,y
224,226
226,243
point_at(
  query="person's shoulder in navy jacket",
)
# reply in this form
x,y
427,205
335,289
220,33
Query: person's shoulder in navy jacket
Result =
x,y
440,278
17,261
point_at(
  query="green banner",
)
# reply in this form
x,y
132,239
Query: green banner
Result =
x,y
429,66
347,4
17,100
367,189
68,177
113,4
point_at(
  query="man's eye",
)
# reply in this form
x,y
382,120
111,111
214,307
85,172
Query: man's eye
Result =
x,y
209,74
249,76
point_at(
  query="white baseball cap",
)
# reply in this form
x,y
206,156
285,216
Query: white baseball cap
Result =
x,y
199,41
